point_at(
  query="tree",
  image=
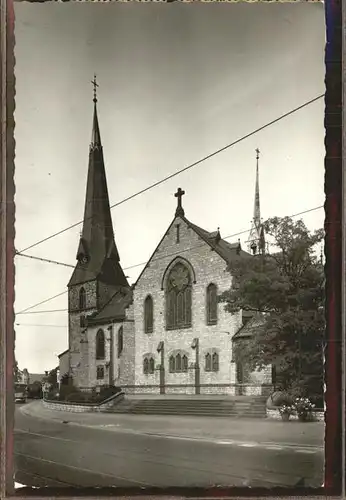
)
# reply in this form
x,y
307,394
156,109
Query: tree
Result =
x,y
52,377
16,374
286,288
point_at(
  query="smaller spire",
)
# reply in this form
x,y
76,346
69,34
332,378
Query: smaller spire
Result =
x,y
95,135
218,235
179,211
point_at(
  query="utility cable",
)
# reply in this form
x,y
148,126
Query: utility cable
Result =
x,y
198,162
144,263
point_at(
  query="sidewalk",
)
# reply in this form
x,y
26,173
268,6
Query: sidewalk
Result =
x,y
256,431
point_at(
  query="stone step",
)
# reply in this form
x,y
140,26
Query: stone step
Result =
x,y
247,407
189,411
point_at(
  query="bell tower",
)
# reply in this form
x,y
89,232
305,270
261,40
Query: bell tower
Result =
x,y
98,273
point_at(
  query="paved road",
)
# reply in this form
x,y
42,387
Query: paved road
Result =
x,y
51,453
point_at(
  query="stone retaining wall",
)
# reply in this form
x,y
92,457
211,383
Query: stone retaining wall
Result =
x,y
83,407
274,414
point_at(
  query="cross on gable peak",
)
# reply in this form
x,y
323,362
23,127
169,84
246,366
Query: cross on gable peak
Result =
x,y
179,211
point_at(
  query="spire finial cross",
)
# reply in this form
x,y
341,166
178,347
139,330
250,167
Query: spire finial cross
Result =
x,y
95,84
179,194
257,153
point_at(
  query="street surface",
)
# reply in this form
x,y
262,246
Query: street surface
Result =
x,y
63,449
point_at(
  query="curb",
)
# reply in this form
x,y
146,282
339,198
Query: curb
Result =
x,y
273,445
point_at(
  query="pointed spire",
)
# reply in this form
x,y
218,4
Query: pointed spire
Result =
x,y
256,237
95,135
97,252
257,211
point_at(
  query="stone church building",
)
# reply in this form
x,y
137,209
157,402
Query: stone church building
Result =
x,y
167,333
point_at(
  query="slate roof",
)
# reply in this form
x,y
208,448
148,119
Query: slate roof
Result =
x,y
114,309
97,239
62,353
254,324
228,251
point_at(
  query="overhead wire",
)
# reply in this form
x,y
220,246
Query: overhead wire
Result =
x,y
158,258
198,162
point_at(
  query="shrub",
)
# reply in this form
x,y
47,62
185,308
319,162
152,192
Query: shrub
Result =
x,y
279,398
77,397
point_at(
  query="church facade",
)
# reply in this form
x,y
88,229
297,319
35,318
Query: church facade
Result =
x,y
167,333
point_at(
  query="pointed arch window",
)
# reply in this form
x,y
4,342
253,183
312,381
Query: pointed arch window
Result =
x,y
211,362
172,364
208,362
148,365
215,362
120,341
82,299
148,314
100,372
212,304
178,297
184,363
100,345
178,363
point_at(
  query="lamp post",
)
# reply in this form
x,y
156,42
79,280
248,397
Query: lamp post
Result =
x,y
195,346
161,350
111,355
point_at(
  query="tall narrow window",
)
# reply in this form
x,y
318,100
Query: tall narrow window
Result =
x,y
145,366
178,233
148,314
208,362
178,363
172,364
215,362
184,362
82,299
178,298
120,341
151,365
100,345
212,304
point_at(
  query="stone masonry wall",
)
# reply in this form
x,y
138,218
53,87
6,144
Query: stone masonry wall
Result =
x,y
78,351
123,366
126,363
208,267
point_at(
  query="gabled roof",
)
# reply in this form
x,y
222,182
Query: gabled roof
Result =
x,y
255,324
62,353
228,251
114,309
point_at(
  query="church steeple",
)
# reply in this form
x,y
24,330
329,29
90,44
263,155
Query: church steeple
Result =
x,y
256,237
97,253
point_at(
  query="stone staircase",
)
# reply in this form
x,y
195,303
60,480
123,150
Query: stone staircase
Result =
x,y
241,407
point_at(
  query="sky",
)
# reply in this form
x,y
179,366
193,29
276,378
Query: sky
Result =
x,y
176,82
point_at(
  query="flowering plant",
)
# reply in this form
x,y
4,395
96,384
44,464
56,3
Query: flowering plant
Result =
x,y
303,405
286,410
